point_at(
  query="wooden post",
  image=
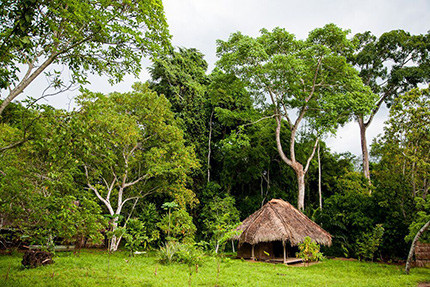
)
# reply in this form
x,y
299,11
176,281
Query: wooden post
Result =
x,y
253,257
285,255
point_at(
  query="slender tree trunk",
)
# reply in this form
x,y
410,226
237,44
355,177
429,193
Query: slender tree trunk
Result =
x,y
365,151
114,242
209,146
319,177
414,243
301,185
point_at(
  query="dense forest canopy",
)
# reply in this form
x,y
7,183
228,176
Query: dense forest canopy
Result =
x,y
187,155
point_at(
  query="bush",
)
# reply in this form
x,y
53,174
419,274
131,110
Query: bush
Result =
x,y
174,251
309,250
370,243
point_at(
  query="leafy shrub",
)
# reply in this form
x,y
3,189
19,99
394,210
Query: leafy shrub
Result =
x,y
178,226
174,251
370,243
137,236
168,252
309,250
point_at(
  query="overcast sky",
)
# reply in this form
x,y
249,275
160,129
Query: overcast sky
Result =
x,y
199,23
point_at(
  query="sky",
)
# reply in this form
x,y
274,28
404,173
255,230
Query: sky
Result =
x,y
199,23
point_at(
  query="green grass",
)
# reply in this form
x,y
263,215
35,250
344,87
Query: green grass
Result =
x,y
97,268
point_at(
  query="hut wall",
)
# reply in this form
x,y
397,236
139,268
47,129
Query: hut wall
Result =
x,y
264,251
260,250
245,251
422,254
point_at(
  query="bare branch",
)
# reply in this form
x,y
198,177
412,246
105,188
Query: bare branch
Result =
x,y
261,119
314,80
312,155
135,181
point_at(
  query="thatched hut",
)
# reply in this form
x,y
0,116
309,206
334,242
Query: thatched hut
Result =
x,y
275,230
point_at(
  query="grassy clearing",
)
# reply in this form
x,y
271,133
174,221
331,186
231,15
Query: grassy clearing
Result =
x,y
97,268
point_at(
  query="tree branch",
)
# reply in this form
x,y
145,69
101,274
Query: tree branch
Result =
x,y
312,155
90,186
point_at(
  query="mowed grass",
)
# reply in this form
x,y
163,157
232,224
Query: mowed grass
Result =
x,y
97,268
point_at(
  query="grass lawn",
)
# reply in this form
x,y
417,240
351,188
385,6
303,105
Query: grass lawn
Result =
x,y
97,268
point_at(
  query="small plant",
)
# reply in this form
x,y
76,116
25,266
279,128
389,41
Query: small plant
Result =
x,y
167,253
134,235
370,243
174,251
309,250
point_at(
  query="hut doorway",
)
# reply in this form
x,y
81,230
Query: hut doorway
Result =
x,y
278,250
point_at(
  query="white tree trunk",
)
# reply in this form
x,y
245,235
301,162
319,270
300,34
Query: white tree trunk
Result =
x,y
365,151
114,241
413,245
301,186
319,177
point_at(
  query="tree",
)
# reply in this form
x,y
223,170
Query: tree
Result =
x,y
39,197
390,65
418,228
178,226
129,147
181,77
103,37
309,77
221,216
405,144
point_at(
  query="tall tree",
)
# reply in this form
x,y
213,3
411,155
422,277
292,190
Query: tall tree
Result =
x,y
310,77
181,77
130,147
103,37
390,65
405,145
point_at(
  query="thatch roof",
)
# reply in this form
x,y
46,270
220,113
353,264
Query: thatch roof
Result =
x,y
278,220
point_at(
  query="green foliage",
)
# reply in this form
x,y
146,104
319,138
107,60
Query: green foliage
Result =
x,y
181,77
370,243
178,226
406,141
393,63
98,37
421,218
221,217
39,196
309,76
136,236
288,69
185,253
309,250
348,214
130,147
149,216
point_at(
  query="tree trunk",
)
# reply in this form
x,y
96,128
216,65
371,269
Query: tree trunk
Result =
x,y
414,243
319,177
209,146
114,241
365,151
301,185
